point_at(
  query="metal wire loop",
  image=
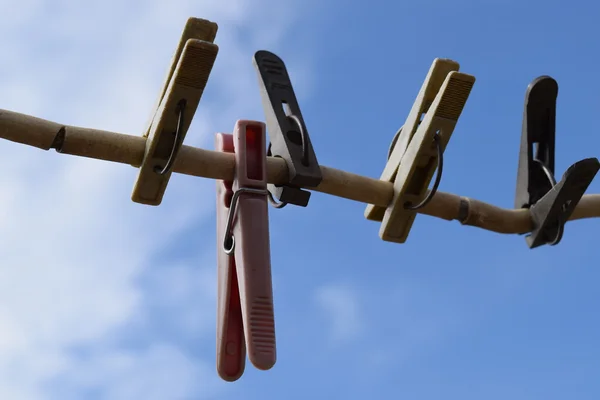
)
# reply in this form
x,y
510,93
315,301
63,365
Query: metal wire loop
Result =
x,y
275,203
304,139
229,239
438,178
178,140
305,161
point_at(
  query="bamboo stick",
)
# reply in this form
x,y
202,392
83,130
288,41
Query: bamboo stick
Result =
x,y
128,149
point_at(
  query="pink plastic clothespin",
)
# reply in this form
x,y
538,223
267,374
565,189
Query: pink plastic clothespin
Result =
x,y
245,318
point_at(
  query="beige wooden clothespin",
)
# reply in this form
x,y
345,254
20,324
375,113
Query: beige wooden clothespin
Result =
x,y
414,156
175,108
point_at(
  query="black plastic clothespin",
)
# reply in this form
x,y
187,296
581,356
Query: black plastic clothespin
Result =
x,y
287,131
551,203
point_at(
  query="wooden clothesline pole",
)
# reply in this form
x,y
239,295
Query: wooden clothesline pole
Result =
x,y
128,149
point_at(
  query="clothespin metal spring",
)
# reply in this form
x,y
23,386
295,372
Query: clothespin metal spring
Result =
x,y
229,239
305,155
179,136
305,160
438,178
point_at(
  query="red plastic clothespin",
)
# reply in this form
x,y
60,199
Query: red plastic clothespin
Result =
x,y
245,318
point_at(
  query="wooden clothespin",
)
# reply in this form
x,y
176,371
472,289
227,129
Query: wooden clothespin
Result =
x,y
245,317
418,147
177,103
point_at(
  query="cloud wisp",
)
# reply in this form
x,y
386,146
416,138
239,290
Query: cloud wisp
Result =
x,y
82,290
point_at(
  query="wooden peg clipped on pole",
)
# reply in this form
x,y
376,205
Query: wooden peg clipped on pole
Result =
x,y
195,28
440,68
176,106
420,147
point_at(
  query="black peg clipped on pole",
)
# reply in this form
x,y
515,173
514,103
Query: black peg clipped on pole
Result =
x,y
551,203
287,131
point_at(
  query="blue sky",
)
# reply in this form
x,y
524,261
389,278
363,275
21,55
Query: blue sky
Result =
x,y
102,298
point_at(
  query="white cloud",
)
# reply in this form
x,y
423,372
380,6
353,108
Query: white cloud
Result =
x,y
78,266
342,309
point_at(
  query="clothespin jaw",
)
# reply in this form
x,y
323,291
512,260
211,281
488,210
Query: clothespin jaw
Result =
x,y
176,106
419,148
245,318
551,203
287,131
538,134
552,211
